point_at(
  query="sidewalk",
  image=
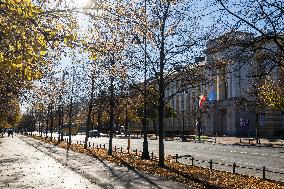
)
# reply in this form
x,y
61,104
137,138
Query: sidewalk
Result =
x,y
244,141
28,163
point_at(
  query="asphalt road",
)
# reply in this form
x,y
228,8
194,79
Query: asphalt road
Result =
x,y
244,156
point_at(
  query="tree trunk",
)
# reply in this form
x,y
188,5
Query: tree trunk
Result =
x,y
161,132
62,121
99,119
88,124
155,126
89,118
59,124
126,119
46,128
161,109
257,127
40,128
93,120
111,113
70,121
51,124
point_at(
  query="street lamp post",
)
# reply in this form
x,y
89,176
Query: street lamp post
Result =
x,y
145,153
71,109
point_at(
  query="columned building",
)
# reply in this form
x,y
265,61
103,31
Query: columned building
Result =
x,y
229,67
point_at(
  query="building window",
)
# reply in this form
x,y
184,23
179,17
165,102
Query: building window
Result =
x,y
261,119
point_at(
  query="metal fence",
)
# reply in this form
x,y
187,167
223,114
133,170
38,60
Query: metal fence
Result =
x,y
233,168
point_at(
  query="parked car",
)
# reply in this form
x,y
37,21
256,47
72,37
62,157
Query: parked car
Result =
x,y
94,133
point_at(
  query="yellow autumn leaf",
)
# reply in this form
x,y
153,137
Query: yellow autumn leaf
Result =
x,y
42,53
1,56
93,57
17,66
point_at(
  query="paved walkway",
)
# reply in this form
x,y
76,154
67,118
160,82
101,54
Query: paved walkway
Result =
x,y
28,163
242,140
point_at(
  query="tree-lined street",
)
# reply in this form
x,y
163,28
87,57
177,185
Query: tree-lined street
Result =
x,y
170,70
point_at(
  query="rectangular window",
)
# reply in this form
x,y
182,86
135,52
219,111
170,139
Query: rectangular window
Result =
x,y
261,119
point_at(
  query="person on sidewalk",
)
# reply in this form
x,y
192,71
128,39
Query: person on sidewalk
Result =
x,y
10,132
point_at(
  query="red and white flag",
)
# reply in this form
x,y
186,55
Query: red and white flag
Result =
x,y
202,99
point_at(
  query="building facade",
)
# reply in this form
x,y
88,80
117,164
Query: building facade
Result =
x,y
229,68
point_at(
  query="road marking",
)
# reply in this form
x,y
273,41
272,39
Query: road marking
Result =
x,y
264,154
254,153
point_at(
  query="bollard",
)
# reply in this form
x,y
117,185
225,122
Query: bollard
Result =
x,y
136,152
152,155
215,140
263,172
234,167
211,162
104,146
240,140
100,146
121,149
192,159
77,141
80,142
93,145
176,157
89,144
115,148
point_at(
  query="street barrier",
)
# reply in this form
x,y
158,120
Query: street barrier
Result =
x,y
234,165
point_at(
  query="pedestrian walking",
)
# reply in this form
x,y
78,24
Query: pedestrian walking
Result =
x,y
10,132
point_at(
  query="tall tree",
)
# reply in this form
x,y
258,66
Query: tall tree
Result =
x,y
170,40
264,19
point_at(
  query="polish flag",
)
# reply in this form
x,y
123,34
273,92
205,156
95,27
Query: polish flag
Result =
x,y
202,99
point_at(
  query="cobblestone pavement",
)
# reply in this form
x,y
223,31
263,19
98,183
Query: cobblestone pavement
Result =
x,y
28,163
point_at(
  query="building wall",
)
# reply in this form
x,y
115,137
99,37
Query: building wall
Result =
x,y
230,81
